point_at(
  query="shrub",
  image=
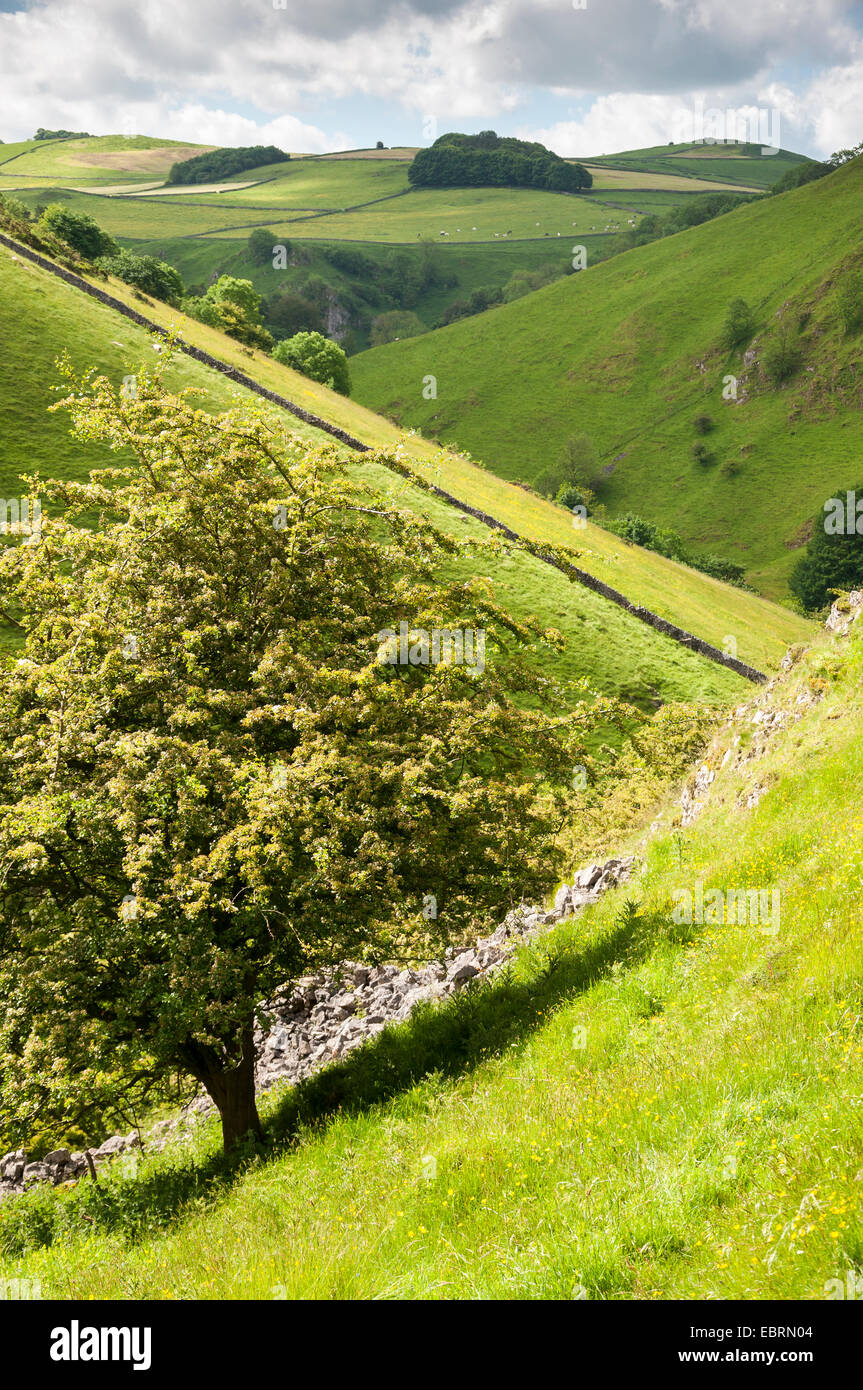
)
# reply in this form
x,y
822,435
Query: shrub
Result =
x,y
260,245
703,424
288,313
702,454
147,274
850,301
739,325
316,357
233,306
783,355
832,560
78,230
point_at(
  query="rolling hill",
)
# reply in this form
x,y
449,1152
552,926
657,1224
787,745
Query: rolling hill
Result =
x,y
614,651
629,352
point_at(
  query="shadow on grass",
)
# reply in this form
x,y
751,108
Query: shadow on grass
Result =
x,y
486,1019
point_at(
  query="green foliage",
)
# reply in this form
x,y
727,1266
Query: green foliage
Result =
x,y
701,453
783,355
316,357
261,243
232,305
224,163
833,559
398,323
78,231
692,212
739,325
147,274
850,300
287,313
703,424
474,161
799,175
42,134
667,542
209,781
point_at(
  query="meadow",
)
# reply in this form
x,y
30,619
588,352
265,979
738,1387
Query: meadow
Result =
x,y
633,1110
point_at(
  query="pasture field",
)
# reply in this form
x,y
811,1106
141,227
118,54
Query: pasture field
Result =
x,y
100,159
723,164
611,178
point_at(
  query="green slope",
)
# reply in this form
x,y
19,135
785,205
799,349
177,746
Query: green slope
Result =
x,y
629,352
639,1111
44,315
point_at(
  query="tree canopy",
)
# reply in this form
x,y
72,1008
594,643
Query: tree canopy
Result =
x,y
459,161
210,782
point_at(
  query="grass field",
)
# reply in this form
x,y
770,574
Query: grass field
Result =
x,y
98,159
719,163
636,1110
629,352
615,650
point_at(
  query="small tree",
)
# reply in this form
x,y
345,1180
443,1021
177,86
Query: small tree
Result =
x,y
833,559
234,306
77,230
147,274
260,245
316,357
850,300
739,325
210,783
703,424
783,355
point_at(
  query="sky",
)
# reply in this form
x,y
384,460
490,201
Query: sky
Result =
x,y
585,77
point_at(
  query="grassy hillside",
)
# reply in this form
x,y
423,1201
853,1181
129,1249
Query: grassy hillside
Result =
x,y
616,651
636,1110
629,352
94,159
724,164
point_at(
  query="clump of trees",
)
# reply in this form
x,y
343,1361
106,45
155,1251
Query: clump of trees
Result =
x,y
471,161
234,306
223,163
210,784
147,274
833,558
316,357
692,213
667,542
42,134
77,230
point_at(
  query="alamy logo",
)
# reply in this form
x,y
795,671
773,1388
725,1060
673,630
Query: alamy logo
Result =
x,y
76,1343
754,907
694,124
417,647
17,518
850,1288
844,516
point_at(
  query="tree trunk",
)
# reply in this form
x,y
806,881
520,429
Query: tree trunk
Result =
x,y
232,1089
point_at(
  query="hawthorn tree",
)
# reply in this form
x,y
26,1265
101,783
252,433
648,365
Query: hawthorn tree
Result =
x,y
210,783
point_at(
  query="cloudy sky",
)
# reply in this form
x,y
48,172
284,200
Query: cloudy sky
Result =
x,y
584,76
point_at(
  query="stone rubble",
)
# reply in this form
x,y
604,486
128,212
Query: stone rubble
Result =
x,y
324,1016
766,720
